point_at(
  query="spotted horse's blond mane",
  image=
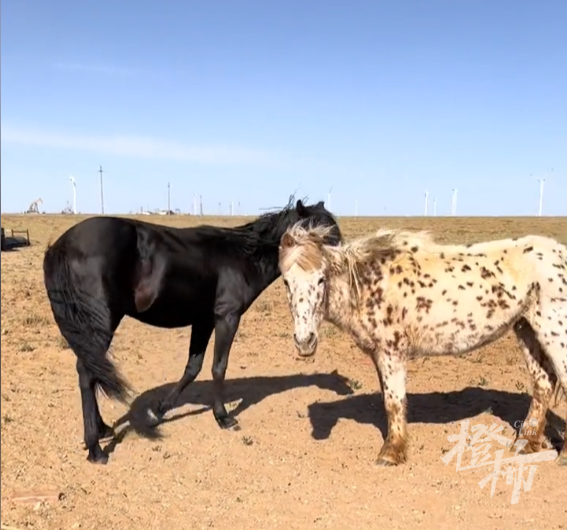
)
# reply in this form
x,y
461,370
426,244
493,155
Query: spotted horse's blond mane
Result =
x,y
305,247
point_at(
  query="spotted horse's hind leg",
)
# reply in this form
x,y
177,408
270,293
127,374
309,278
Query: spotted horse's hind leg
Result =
x,y
550,326
544,381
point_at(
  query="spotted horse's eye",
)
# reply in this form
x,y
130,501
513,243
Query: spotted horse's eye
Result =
x,y
321,281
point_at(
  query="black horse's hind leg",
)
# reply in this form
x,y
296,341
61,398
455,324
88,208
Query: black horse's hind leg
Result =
x,y
225,330
94,426
200,335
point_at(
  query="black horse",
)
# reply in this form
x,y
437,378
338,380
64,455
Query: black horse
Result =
x,y
104,268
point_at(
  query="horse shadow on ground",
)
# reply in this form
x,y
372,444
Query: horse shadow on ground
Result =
x,y
250,390
430,407
433,408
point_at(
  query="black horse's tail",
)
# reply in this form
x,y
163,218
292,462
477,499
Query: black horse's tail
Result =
x,y
84,321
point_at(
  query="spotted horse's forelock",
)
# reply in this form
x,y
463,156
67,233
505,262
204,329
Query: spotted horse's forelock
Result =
x,y
400,294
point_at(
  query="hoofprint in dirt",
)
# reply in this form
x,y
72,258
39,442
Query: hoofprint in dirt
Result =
x,y
302,457
105,268
401,294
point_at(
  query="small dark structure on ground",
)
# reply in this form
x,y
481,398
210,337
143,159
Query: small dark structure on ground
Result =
x,y
13,241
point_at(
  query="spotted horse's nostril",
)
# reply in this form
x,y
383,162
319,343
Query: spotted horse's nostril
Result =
x,y
310,339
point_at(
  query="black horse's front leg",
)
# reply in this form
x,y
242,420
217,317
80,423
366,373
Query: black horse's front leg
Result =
x,y
225,330
200,336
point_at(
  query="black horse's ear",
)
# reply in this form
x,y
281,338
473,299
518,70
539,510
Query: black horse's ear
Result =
x,y
301,209
320,204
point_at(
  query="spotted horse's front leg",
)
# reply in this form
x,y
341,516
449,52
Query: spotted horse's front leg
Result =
x,y
392,375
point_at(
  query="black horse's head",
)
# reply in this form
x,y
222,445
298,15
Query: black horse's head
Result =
x,y
318,215
272,226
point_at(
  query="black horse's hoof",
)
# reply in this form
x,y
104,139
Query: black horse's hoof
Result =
x,y
153,418
227,422
97,456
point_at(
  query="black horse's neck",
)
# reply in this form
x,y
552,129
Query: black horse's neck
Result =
x,y
261,237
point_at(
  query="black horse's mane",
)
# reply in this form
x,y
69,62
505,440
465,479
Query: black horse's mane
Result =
x,y
271,219
266,229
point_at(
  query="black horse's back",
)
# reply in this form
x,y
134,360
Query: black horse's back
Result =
x,y
76,275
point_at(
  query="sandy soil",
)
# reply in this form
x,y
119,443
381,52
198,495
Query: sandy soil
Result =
x,y
304,457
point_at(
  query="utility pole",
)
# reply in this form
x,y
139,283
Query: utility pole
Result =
x,y
168,198
101,192
74,184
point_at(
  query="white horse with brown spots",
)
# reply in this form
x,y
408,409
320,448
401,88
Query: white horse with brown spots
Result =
x,y
400,294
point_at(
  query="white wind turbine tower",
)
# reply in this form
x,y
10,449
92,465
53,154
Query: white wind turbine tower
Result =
x,y
454,204
329,198
426,197
541,184
435,207
74,184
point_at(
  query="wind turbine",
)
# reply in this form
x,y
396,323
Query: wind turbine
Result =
x,y
426,196
329,198
541,184
74,184
435,207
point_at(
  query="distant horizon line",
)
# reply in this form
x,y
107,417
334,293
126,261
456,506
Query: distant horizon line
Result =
x,y
154,214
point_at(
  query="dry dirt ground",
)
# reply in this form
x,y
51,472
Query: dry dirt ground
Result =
x,y
304,458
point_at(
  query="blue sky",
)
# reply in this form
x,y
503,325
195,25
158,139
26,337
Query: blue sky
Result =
x,y
255,100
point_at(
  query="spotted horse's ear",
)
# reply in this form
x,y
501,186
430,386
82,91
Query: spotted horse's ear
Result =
x,y
287,241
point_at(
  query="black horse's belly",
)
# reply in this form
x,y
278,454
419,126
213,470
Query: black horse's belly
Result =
x,y
178,306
